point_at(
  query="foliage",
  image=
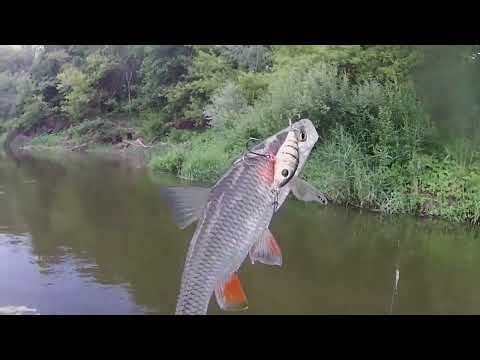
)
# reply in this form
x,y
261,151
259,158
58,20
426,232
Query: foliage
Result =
x,y
170,160
252,58
75,87
253,85
34,112
360,62
99,130
206,74
154,125
8,96
398,124
48,140
162,67
226,106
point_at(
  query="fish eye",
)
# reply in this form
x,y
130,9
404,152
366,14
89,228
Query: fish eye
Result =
x,y
284,172
303,135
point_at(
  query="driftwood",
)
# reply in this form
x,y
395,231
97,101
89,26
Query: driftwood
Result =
x,y
78,147
137,142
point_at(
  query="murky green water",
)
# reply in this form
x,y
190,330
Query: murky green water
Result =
x,y
84,235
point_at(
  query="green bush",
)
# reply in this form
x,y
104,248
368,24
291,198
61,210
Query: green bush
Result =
x,y
227,106
247,57
179,136
76,88
153,125
206,74
204,156
34,112
99,130
170,160
48,140
253,85
208,159
341,169
368,127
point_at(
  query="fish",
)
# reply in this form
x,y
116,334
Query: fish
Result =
x,y
233,219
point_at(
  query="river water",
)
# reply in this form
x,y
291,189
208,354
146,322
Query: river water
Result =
x,y
84,234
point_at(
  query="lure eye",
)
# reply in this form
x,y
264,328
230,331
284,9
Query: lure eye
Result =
x,y
284,172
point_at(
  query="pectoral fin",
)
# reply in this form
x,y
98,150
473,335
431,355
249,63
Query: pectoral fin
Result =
x,y
306,192
230,295
186,203
266,250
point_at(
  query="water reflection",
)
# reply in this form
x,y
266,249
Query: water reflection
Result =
x,y
81,223
83,234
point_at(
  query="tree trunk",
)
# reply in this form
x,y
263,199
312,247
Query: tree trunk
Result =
x,y
128,78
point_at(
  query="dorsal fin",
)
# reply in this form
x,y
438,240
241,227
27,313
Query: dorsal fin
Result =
x,y
186,203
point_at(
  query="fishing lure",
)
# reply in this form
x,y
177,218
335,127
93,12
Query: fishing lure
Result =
x,y
286,161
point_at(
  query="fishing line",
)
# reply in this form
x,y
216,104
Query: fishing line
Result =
x,y
253,152
250,151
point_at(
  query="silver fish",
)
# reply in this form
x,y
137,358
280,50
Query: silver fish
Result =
x,y
233,219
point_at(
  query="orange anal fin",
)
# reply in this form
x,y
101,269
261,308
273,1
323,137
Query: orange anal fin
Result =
x,y
230,295
266,250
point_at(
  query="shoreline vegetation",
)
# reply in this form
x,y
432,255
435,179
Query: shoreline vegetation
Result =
x,y
398,125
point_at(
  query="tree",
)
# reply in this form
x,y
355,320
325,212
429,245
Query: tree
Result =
x,y
75,87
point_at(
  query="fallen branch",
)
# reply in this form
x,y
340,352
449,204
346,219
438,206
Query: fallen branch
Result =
x,y
78,147
154,139
137,142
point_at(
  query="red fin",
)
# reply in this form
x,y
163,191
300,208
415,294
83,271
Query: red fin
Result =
x,y
266,250
230,295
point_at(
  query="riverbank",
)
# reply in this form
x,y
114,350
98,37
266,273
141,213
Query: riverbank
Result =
x,y
398,125
56,146
437,187
429,185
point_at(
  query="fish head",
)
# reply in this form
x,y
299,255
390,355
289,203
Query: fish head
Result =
x,y
305,126
307,138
